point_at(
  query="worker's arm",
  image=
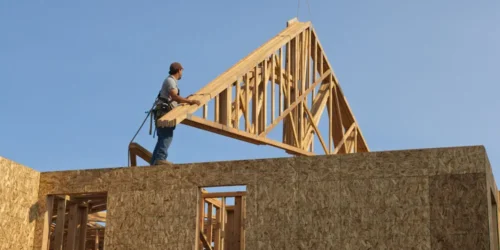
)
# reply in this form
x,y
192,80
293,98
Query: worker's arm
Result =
x,y
180,99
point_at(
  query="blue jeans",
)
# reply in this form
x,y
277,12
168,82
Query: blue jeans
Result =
x,y
165,136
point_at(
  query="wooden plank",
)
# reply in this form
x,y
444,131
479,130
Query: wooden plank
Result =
x,y
265,79
47,221
205,242
240,135
215,202
330,119
237,103
255,103
247,103
216,110
273,87
205,111
96,245
210,223
82,239
229,240
288,83
225,106
237,226
295,103
242,222
72,226
223,223
137,150
59,231
316,129
344,138
337,122
280,98
217,231
224,194
201,216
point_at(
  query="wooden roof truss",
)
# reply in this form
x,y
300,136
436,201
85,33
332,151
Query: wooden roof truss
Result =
x,y
288,82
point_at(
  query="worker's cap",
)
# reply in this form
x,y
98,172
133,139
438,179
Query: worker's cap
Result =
x,y
174,67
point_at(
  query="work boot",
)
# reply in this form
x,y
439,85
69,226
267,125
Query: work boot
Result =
x,y
163,162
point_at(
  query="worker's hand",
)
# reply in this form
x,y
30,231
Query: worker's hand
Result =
x,y
194,102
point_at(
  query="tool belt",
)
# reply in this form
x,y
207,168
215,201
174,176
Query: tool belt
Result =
x,y
162,107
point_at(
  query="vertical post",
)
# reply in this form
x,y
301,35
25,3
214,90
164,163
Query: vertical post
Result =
x,y
280,106
288,83
205,111
237,223
237,104
84,211
72,226
216,112
217,232
273,86
330,118
265,79
209,222
223,223
47,220
96,239
242,222
202,218
247,103
59,231
228,101
255,103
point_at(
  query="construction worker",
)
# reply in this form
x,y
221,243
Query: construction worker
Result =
x,y
168,98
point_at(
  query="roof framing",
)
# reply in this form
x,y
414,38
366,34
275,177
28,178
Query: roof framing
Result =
x,y
287,80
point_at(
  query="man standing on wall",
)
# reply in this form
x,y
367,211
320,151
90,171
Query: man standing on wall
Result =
x,y
168,98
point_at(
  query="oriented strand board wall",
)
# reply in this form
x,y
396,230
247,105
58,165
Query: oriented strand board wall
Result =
x,y
426,199
18,205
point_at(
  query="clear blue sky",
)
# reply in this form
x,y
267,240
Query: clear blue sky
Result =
x,y
77,76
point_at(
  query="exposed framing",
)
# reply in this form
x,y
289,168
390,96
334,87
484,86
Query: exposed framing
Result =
x,y
293,70
73,221
225,229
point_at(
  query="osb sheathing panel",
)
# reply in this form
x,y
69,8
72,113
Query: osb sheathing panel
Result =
x,y
425,199
18,205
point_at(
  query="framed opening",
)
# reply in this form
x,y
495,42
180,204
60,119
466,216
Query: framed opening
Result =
x,y
75,221
222,218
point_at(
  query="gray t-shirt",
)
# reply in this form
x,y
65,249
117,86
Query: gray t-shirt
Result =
x,y
168,84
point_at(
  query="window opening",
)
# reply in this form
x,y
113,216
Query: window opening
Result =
x,y
75,221
222,219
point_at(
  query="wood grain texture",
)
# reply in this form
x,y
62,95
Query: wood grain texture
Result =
x,y
18,205
378,200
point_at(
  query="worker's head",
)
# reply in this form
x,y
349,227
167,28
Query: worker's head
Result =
x,y
176,70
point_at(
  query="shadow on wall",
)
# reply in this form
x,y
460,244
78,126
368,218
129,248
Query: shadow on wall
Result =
x,y
33,212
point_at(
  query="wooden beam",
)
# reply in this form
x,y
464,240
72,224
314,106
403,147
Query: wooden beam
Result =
x,y
237,226
240,135
209,223
47,221
72,226
316,129
137,150
223,194
237,104
344,138
204,240
59,231
273,87
83,228
295,103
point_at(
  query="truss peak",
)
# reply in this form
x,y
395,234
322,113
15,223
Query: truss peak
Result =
x,y
286,84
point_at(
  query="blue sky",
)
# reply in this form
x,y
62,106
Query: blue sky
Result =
x,y
77,76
